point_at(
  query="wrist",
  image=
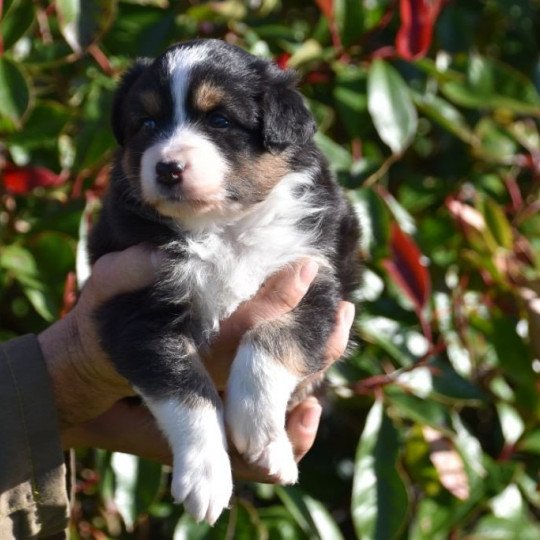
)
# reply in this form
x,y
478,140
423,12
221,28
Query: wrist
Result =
x,y
82,387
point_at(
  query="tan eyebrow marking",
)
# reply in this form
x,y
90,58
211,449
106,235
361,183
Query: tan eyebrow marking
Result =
x,y
151,102
208,97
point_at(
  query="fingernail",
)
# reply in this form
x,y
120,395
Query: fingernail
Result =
x,y
308,271
347,315
310,419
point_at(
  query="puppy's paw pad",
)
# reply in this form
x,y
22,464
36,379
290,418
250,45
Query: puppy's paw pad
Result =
x,y
278,459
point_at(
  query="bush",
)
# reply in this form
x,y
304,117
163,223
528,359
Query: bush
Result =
x,y
428,113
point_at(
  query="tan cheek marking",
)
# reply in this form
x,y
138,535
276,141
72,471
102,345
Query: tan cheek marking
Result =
x,y
208,97
261,175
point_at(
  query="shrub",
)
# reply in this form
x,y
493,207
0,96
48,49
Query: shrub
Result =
x,y
428,112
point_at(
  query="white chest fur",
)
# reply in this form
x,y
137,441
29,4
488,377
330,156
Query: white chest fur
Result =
x,y
227,264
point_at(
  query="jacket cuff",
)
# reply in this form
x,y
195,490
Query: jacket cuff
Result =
x,y
33,494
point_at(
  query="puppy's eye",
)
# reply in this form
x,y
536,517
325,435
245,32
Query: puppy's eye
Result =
x,y
148,124
218,120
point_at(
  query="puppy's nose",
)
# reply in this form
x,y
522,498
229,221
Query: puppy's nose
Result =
x,y
169,173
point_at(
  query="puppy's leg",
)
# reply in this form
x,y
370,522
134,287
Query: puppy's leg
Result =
x,y
272,360
194,428
149,346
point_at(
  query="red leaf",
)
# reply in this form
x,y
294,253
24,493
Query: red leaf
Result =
x,y
21,180
406,269
70,294
327,7
317,77
417,19
282,60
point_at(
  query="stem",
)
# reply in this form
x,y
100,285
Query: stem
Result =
x,y
381,171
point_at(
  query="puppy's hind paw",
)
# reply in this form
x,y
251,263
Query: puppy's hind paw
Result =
x,y
278,459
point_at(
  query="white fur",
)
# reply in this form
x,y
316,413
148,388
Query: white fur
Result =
x,y
179,64
202,178
227,262
201,467
257,395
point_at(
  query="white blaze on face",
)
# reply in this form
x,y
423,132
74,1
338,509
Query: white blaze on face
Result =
x,y
202,186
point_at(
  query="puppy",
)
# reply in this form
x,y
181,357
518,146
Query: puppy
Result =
x,y
216,167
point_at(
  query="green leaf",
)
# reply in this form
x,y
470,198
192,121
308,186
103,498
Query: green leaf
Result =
x,y
14,91
494,143
82,21
324,524
514,357
42,301
390,106
309,513
155,3
446,115
17,18
424,411
497,223
241,522
351,100
55,253
492,527
386,334
309,50
279,523
188,529
530,442
492,84
137,483
379,501
41,128
349,15
18,260
432,520
448,384
374,220
338,157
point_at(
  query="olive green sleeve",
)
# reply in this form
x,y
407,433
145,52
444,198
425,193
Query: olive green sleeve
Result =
x,y
33,495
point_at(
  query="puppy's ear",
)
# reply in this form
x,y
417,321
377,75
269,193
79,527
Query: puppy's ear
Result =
x,y
119,99
286,120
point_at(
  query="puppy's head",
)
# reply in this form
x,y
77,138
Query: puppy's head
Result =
x,y
207,129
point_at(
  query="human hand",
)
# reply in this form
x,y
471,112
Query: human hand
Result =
x,y
130,428
84,381
88,388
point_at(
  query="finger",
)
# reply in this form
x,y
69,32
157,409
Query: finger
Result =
x,y
337,343
125,427
302,426
280,294
124,271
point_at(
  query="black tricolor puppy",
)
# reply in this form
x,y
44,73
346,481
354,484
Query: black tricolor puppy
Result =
x,y
217,167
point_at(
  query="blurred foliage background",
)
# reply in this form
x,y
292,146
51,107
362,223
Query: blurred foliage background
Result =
x,y
429,115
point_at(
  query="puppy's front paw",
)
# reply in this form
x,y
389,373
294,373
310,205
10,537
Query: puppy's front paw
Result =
x,y
257,395
202,477
202,480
